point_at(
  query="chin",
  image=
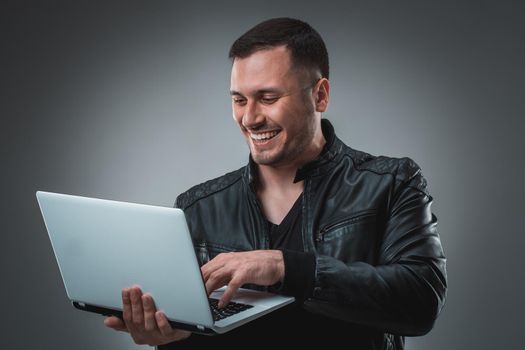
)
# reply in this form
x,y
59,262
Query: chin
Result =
x,y
261,159
270,156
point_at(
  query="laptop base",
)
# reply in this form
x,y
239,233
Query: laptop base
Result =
x,y
117,313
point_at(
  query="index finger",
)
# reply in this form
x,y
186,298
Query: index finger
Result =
x,y
230,292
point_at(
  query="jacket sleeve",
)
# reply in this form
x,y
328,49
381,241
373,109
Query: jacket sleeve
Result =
x,y
405,292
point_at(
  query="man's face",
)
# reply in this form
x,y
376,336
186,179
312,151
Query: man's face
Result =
x,y
273,106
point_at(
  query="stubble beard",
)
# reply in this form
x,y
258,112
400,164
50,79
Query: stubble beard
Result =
x,y
294,148
289,152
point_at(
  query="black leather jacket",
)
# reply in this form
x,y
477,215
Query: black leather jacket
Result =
x,y
379,260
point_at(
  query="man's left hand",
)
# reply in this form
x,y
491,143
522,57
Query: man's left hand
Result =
x,y
262,267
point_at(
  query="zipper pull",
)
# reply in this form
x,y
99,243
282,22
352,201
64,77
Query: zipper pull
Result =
x,y
320,236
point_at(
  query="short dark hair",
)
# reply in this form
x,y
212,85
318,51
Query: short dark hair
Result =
x,y
305,44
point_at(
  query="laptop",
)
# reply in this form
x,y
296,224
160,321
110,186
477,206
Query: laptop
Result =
x,y
102,246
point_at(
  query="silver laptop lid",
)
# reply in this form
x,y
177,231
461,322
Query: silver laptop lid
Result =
x,y
102,246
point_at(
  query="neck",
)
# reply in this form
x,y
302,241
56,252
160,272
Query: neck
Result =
x,y
277,178
281,177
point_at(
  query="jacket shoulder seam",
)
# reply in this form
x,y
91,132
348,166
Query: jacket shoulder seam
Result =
x,y
403,170
385,165
207,189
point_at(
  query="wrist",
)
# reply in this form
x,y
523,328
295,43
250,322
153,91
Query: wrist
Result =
x,y
281,268
279,265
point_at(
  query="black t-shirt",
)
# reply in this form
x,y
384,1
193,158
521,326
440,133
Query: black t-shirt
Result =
x,y
299,266
287,235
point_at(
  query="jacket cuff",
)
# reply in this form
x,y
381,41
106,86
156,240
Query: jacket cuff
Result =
x,y
299,274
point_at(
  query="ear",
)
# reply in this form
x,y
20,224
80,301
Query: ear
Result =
x,y
322,95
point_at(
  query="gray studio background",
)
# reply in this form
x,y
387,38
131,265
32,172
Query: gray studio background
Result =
x,y
129,101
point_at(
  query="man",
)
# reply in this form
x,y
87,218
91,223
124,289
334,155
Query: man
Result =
x,y
350,235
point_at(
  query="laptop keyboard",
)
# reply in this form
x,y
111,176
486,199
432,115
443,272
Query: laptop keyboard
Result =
x,y
227,311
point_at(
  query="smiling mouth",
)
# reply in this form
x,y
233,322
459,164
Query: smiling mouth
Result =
x,y
264,136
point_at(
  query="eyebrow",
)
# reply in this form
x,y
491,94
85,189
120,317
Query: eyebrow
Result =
x,y
258,92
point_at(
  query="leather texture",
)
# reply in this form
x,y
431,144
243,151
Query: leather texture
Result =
x,y
368,220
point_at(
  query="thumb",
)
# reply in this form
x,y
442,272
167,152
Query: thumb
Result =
x,y
115,323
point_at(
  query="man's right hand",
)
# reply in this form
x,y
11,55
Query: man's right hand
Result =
x,y
142,321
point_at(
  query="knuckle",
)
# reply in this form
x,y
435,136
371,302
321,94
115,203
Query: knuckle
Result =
x,y
146,307
163,326
214,278
150,326
226,255
161,323
211,277
239,277
149,314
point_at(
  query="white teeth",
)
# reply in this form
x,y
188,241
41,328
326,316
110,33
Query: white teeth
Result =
x,y
264,135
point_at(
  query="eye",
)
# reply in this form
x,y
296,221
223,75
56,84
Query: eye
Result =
x,y
269,100
239,101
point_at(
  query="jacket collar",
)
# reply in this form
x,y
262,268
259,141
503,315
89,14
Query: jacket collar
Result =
x,y
331,152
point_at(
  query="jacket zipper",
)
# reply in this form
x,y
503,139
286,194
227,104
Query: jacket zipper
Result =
x,y
204,254
355,218
261,216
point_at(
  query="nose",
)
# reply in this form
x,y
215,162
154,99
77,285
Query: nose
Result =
x,y
252,116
